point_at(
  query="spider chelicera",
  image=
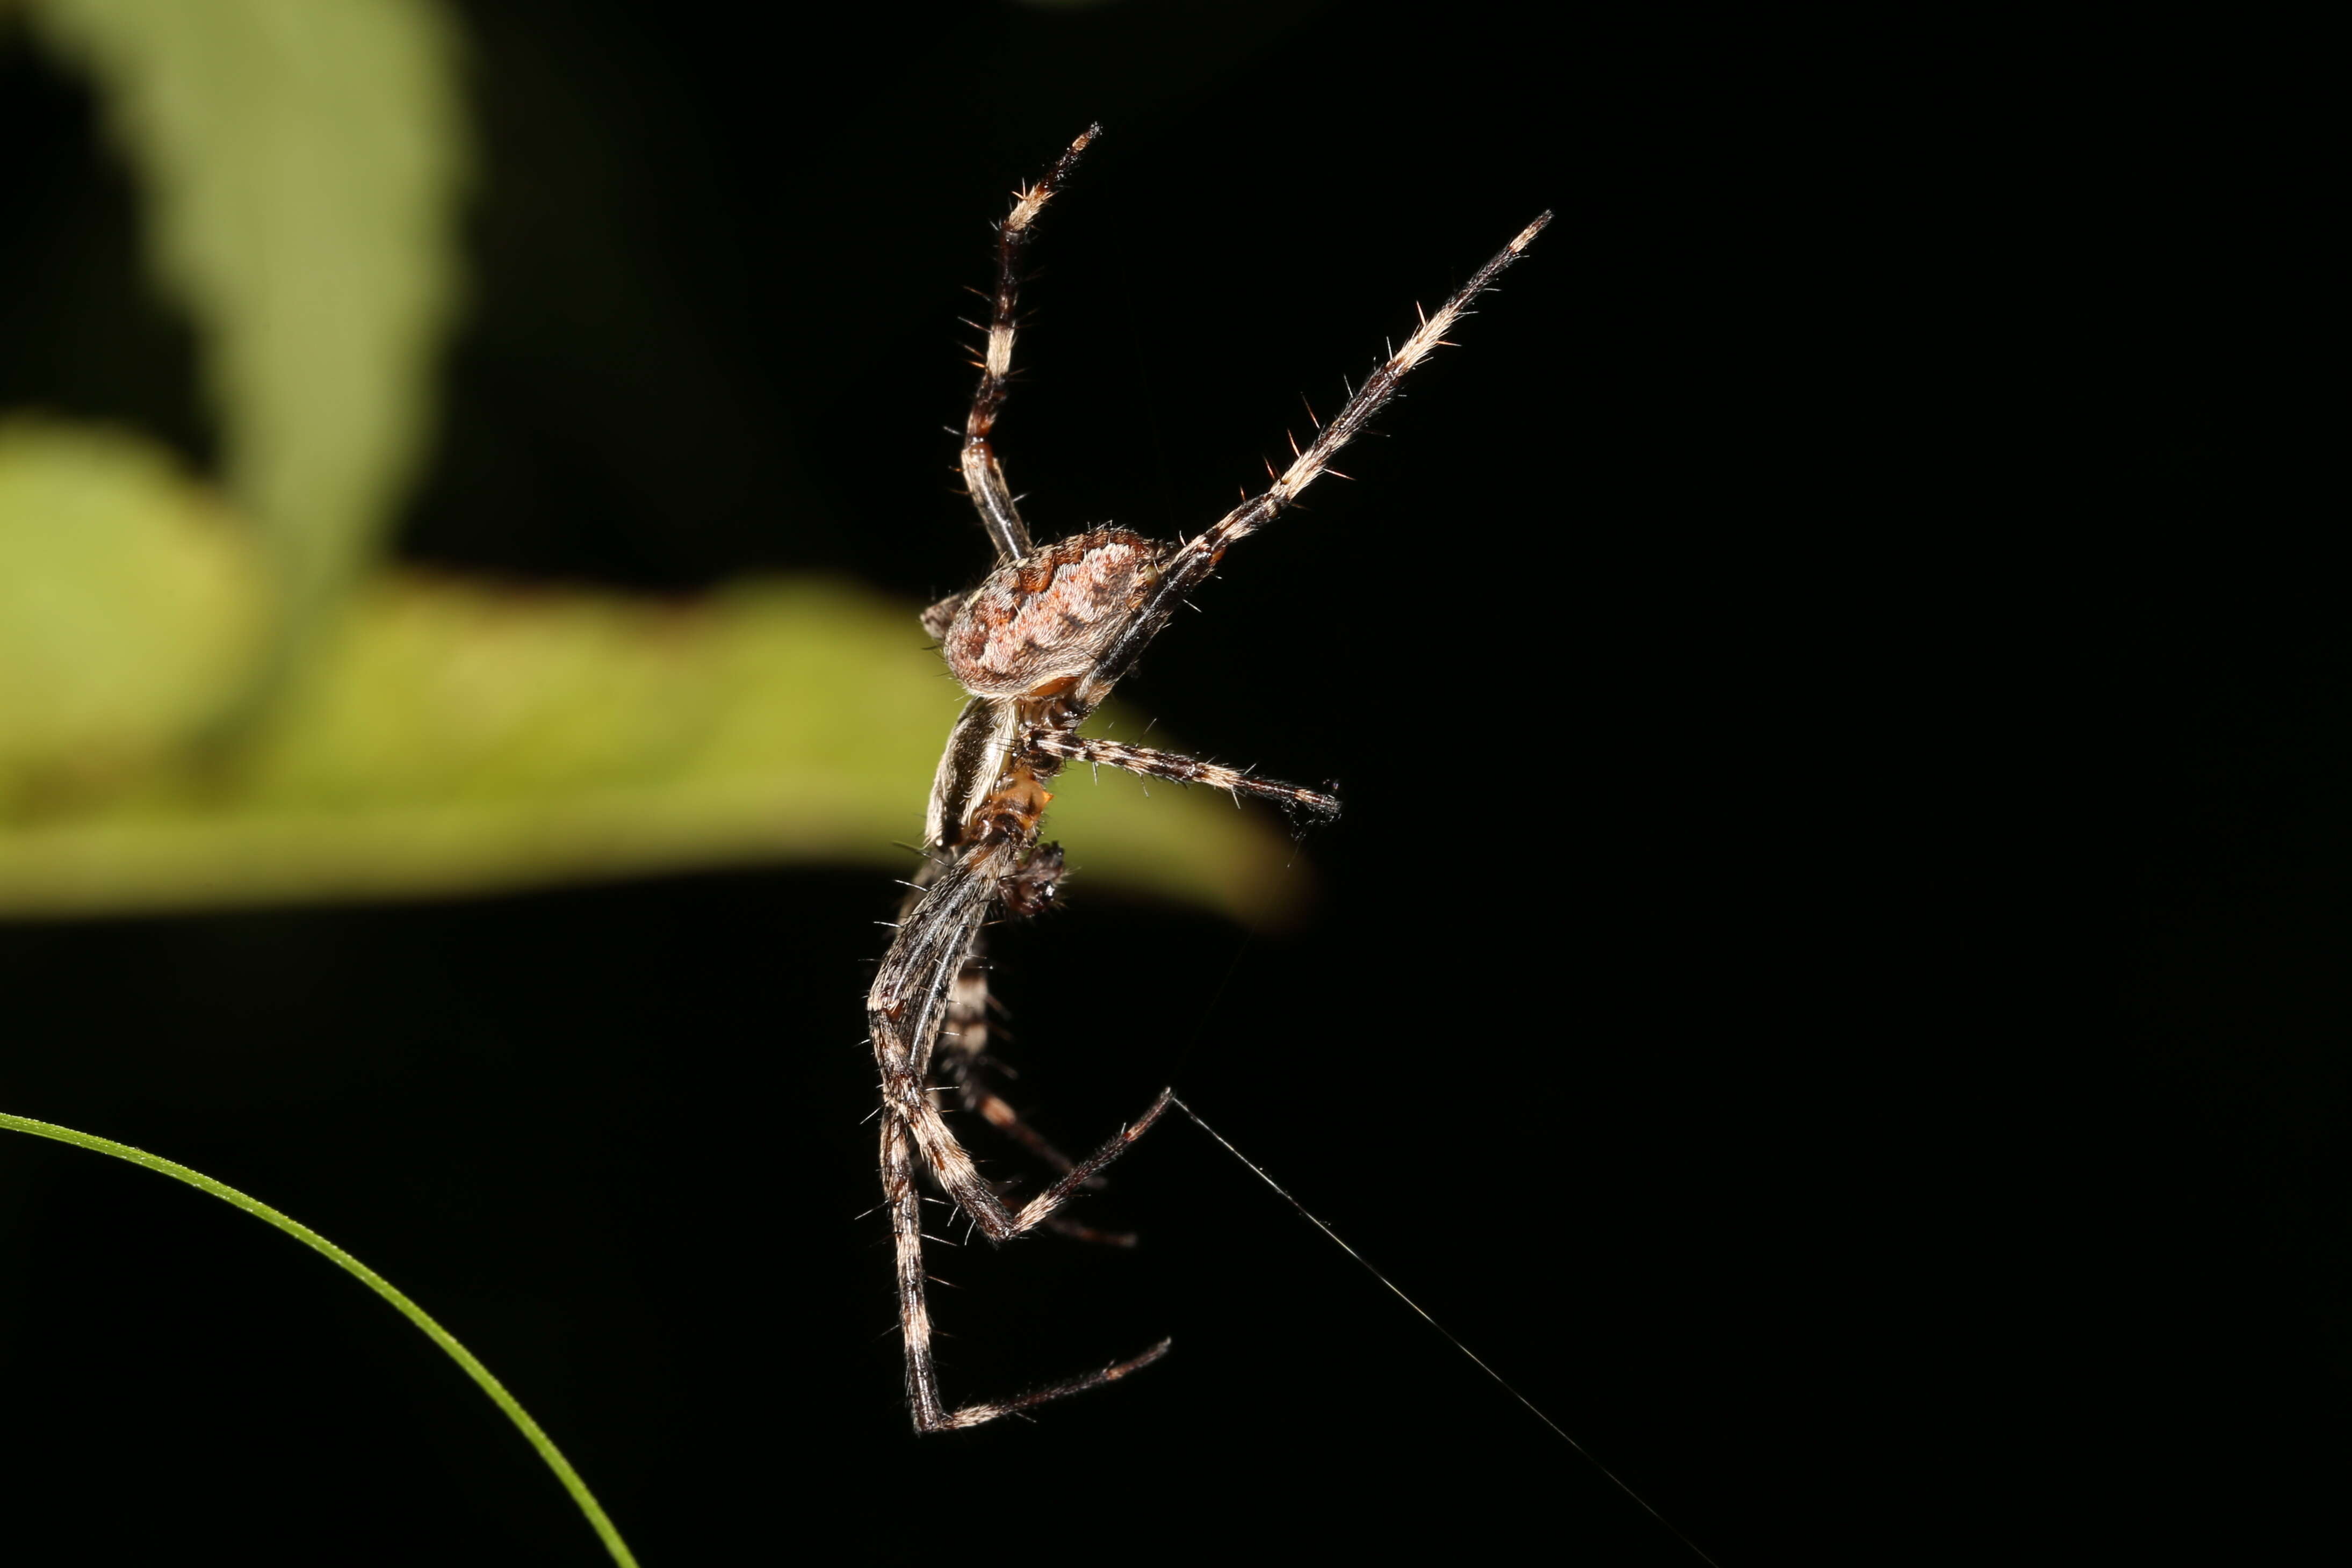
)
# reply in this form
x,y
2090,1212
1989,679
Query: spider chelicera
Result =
x,y
1038,645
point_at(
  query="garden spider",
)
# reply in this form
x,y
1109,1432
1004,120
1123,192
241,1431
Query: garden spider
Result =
x,y
1038,645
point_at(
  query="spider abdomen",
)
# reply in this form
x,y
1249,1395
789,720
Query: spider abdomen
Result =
x,y
1046,617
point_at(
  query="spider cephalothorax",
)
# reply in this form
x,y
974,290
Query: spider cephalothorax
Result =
x,y
1039,644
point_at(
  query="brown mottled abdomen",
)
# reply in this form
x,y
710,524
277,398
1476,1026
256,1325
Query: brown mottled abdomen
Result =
x,y
1042,619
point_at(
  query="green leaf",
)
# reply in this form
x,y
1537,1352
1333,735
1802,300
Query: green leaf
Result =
x,y
302,164
453,737
130,602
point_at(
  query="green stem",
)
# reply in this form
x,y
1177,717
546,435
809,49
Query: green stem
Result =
x,y
581,1495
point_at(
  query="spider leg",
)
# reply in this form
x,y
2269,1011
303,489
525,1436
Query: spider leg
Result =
x,y
977,1095
974,1094
1154,764
974,1415
914,1313
907,1009
961,1059
1190,565
952,1167
1063,1225
981,476
962,1053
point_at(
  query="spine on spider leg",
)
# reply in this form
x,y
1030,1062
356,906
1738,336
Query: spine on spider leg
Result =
x,y
982,478
1190,565
1154,764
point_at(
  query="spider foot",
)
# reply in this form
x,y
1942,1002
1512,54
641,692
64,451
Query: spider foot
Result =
x,y
979,1414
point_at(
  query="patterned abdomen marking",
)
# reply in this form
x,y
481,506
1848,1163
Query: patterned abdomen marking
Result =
x,y
1044,618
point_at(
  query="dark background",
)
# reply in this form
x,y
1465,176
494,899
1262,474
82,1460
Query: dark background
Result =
x,y
1705,1011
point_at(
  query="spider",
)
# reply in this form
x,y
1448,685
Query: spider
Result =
x,y
1038,645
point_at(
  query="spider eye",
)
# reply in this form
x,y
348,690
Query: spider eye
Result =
x,y
1046,617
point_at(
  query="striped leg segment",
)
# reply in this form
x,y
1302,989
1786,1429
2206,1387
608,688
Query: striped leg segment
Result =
x,y
981,476
1190,567
1182,769
974,1415
914,1000
961,1059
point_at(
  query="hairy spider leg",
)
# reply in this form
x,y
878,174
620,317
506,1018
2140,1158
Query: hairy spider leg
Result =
x,y
961,1045
976,1093
914,1317
991,495
1154,764
961,1058
1192,564
907,1009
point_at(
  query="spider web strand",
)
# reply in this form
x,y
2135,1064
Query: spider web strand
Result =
x,y
1500,1382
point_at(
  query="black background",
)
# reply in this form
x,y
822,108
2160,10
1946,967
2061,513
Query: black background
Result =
x,y
1702,1011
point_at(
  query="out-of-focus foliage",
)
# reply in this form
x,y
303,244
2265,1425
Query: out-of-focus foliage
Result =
x,y
451,736
303,166
398,735
128,604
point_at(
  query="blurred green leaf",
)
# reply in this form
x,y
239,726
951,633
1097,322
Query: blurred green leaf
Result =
x,y
302,164
452,738
128,605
